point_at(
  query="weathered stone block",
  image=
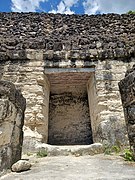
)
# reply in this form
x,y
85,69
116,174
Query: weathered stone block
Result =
x,y
12,107
127,90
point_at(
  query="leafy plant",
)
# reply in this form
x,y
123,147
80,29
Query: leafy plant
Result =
x,y
131,12
128,155
116,149
108,150
42,153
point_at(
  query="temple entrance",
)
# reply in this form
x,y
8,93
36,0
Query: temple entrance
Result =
x,y
69,121
69,116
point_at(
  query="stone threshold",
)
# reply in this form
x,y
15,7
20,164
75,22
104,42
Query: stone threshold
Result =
x,y
77,150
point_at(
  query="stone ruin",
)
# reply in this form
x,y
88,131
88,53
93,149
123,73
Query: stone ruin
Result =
x,y
68,68
127,90
12,107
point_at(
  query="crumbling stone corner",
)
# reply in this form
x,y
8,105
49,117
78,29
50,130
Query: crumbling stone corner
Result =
x,y
127,91
12,107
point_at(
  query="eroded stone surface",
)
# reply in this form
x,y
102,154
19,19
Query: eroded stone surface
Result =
x,y
12,107
127,90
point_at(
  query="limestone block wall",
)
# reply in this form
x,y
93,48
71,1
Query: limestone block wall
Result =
x,y
109,108
107,117
106,113
12,107
29,77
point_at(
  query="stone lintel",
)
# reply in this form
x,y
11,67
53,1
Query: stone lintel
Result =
x,y
61,70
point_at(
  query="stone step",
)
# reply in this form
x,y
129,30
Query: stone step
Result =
x,y
77,150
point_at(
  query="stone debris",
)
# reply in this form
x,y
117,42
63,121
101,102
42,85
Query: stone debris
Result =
x,y
21,165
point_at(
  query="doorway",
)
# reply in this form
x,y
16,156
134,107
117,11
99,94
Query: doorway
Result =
x,y
69,116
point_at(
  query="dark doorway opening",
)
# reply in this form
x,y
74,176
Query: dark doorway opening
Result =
x,y
69,116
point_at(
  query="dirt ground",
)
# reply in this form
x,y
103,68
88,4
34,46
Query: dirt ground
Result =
x,y
97,167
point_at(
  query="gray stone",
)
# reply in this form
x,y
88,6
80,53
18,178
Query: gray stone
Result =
x,y
99,45
21,165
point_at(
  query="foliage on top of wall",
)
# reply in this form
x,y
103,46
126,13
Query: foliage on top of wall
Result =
x,y
131,12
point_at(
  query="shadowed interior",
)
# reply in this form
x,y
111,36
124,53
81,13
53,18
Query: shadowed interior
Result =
x,y
69,117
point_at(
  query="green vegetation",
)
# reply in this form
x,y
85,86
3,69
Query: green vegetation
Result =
x,y
111,149
29,154
128,155
131,12
116,149
42,153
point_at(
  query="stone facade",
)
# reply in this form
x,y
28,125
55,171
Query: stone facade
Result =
x,y
12,106
45,54
127,87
